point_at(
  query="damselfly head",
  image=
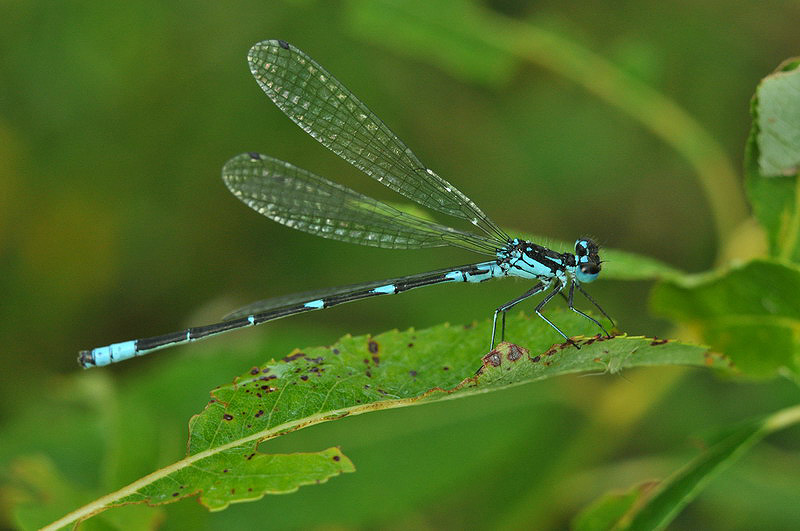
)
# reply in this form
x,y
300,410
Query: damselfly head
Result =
x,y
588,260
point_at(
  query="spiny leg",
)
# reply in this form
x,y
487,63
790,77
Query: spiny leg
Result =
x,y
597,306
510,304
571,304
544,301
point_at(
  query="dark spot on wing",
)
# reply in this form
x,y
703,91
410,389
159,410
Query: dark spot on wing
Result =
x,y
227,416
657,342
283,44
372,346
255,156
336,458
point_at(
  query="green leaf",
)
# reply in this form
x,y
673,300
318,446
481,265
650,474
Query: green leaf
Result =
x,y
238,474
611,508
654,508
751,312
779,121
771,157
363,374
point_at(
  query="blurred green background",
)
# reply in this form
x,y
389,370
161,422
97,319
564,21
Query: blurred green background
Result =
x,y
115,120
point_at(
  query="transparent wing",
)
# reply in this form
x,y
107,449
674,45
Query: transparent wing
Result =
x,y
325,109
302,200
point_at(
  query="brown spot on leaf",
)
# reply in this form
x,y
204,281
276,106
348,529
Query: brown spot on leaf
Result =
x,y
227,416
493,358
656,342
515,352
294,356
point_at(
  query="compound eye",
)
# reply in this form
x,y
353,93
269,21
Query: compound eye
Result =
x,y
590,269
580,248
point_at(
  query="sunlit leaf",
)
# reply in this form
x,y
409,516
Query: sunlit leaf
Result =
x,y
778,101
771,158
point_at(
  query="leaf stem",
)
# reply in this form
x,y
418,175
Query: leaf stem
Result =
x,y
791,230
658,113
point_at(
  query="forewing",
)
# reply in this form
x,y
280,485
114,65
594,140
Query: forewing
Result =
x,y
329,112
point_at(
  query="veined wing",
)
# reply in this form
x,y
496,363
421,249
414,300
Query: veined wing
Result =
x,y
326,110
302,200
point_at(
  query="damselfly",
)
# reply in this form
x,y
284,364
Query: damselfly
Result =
x,y
297,198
